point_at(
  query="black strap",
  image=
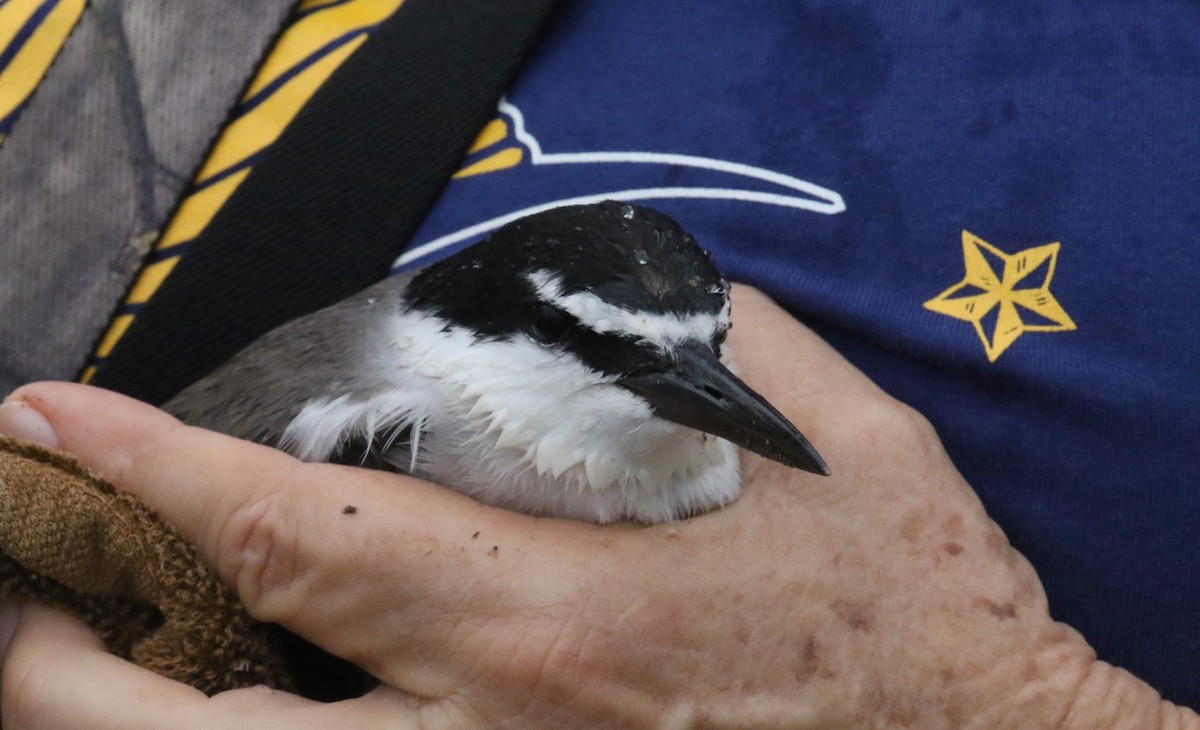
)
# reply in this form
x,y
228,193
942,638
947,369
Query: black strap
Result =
x,y
333,202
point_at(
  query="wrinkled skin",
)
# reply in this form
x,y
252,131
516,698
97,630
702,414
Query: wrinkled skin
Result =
x,y
882,596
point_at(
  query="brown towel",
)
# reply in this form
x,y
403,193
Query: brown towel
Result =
x,y
70,540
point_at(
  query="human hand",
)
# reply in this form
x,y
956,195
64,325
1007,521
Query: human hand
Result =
x,y
882,596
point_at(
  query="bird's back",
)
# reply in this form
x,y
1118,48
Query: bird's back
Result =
x,y
261,390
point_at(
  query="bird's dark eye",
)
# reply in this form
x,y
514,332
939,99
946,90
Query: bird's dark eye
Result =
x,y
719,339
548,324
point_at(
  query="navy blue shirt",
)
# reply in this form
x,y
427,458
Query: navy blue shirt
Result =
x,y
991,208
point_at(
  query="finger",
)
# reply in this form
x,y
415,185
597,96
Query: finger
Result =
x,y
385,708
764,329
838,408
261,707
57,674
406,568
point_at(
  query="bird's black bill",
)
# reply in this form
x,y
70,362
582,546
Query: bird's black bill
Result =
x,y
699,392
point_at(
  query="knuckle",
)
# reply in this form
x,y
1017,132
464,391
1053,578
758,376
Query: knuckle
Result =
x,y
259,553
921,432
888,424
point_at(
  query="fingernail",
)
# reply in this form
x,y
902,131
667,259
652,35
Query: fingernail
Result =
x,y
19,420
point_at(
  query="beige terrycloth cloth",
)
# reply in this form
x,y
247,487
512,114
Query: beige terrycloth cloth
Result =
x,y
70,540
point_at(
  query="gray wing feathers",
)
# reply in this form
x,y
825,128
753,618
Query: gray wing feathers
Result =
x,y
257,393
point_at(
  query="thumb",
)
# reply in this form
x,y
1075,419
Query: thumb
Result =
x,y
278,531
57,674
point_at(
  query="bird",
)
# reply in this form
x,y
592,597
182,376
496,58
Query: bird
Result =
x,y
571,364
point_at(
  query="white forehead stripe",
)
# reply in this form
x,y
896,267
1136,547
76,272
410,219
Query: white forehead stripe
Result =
x,y
605,317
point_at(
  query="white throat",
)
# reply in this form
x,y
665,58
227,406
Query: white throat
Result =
x,y
517,425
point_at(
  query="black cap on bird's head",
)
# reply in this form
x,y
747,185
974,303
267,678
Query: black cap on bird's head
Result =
x,y
631,294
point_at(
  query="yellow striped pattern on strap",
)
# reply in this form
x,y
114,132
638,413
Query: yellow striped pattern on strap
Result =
x,y
322,35
32,32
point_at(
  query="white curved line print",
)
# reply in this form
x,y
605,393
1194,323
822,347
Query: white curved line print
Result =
x,y
822,200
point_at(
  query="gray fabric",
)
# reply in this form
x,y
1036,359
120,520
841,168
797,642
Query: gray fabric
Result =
x,y
96,161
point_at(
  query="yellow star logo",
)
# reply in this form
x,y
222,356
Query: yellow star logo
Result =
x,y
1023,285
